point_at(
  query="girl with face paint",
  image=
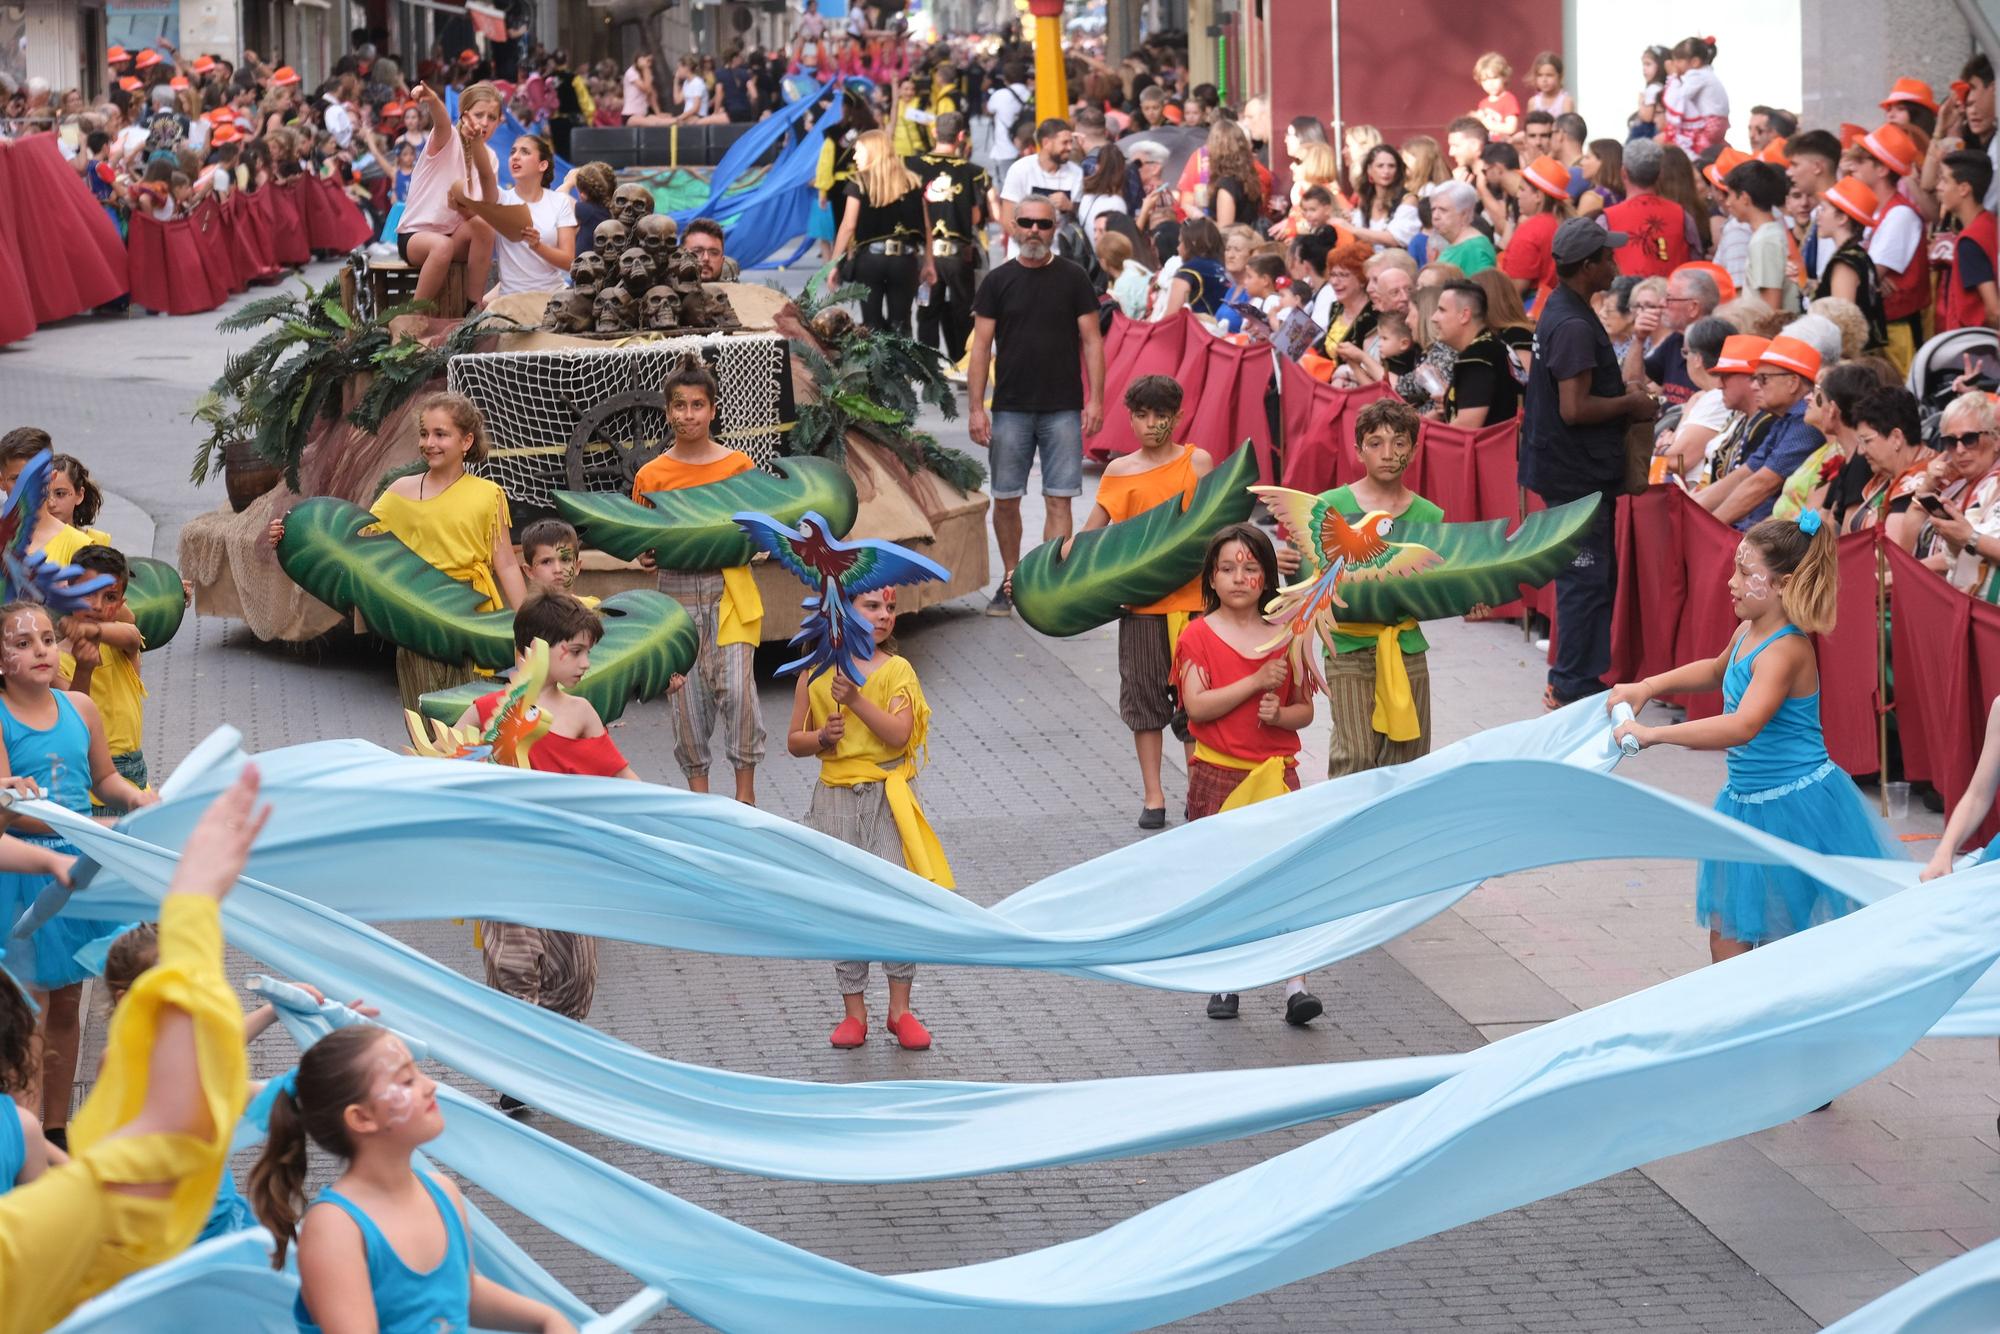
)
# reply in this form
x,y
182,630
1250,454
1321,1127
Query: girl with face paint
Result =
x,y
55,738
383,1247
1785,587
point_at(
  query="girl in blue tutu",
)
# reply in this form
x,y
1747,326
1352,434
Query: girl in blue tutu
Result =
x,y
1785,587
56,738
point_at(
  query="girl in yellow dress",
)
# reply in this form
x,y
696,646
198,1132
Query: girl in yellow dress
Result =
x,y
454,520
869,739
151,1141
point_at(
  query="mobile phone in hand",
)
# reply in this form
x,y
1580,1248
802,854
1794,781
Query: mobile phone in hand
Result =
x,y
1935,507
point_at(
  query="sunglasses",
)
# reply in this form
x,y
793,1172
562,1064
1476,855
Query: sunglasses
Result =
x,y
1771,377
1036,224
1965,441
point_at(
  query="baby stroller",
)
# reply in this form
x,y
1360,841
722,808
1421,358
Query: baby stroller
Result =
x,y
1943,360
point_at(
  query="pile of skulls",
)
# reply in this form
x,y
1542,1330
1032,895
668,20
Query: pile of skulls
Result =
x,y
636,278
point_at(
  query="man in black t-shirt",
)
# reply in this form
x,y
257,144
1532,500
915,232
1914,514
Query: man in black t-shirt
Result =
x,y
1573,423
1043,311
958,195
1483,390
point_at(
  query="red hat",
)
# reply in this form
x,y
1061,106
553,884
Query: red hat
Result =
x,y
1774,153
392,108
178,83
1854,199
203,64
147,58
468,57
1790,354
117,55
219,116
284,76
1911,90
1727,161
1549,176
130,84
1725,287
1740,354
226,133
1892,146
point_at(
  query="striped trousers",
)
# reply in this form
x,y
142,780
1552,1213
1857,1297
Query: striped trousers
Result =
x,y
722,685
1356,745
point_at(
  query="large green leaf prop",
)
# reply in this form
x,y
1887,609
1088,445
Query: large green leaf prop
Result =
x,y
403,597
1137,561
695,528
648,639
1482,565
156,599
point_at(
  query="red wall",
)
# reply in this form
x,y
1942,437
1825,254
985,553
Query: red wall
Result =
x,y
1406,65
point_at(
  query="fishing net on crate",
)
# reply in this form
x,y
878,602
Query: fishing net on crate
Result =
x,y
583,419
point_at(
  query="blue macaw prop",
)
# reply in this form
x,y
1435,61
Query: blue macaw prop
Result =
x,y
30,576
835,635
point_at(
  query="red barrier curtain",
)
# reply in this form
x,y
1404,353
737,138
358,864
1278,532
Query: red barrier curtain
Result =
x,y
63,252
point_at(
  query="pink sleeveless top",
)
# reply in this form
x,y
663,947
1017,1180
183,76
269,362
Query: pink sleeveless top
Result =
x,y
427,209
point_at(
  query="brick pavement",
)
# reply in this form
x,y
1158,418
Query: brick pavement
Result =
x,y
1623,1253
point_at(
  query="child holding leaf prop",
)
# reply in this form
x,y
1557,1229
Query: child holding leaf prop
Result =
x,y
859,708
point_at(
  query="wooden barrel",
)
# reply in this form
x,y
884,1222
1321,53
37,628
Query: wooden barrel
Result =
x,y
247,474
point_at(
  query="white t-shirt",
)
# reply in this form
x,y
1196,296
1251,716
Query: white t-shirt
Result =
x,y
1091,207
1026,177
339,121
521,269
1893,241
693,93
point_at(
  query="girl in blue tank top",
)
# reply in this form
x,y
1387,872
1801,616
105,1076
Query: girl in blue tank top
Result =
x,y
55,738
1785,586
24,1154
383,1245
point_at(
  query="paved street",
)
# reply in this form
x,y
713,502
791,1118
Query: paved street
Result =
x,y
1031,772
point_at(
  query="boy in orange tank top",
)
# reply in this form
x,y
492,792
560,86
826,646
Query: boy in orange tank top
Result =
x,y
1161,470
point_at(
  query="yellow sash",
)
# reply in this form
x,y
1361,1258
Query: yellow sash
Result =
x,y
922,852
868,759
1177,623
1266,777
739,616
1395,707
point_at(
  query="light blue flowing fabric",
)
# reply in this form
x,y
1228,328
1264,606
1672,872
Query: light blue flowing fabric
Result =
x,y
1718,1053
747,151
223,1284
1960,1296
776,209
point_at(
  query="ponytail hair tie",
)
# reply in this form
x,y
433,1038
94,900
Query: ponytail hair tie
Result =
x,y
1809,522
1281,282
288,1083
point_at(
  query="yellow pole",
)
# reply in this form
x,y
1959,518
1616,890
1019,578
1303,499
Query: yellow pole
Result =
x,y
1051,74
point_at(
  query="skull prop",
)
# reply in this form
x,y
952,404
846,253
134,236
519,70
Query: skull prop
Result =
x,y
694,307
567,312
663,308
683,269
631,202
610,237
635,269
614,309
587,273
656,232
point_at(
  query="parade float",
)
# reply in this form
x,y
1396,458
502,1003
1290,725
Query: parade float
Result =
x,y
319,415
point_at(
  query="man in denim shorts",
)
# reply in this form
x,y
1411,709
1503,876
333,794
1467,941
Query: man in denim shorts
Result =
x,y
1043,311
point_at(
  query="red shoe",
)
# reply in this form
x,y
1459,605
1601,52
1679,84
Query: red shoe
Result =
x,y
911,1033
849,1032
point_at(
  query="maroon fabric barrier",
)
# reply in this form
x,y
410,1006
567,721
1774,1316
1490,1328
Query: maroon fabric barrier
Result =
x,y
290,245
1849,700
1223,384
64,255
207,223
168,275
249,248
1319,428
333,220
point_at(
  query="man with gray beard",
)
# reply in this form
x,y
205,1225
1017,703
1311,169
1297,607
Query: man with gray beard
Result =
x,y
1043,311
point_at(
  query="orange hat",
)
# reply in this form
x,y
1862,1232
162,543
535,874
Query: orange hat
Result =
x,y
1790,354
147,58
1911,90
178,83
1854,199
1892,146
224,134
1740,354
219,116
284,76
203,64
468,57
1171,112
1725,287
130,84
1850,134
1774,153
1727,161
117,55
1549,176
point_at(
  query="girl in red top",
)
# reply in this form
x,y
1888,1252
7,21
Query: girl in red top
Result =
x,y
556,970
1240,704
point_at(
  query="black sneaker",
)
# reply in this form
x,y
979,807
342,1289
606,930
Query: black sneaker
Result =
x,y
1222,1005
1302,1007
1002,604
512,1106
1152,817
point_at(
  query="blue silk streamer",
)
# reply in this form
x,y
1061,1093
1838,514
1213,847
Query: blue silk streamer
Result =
x,y
1717,1053
775,210
1960,1296
747,151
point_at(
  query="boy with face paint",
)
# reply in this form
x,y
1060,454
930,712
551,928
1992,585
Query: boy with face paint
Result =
x,y
552,557
1159,471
